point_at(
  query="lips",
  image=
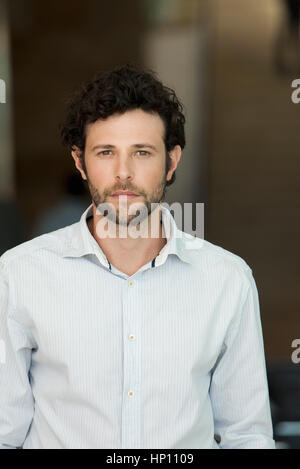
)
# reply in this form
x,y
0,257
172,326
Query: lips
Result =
x,y
130,194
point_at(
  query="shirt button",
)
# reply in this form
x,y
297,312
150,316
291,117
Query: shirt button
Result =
x,y
130,393
131,283
131,337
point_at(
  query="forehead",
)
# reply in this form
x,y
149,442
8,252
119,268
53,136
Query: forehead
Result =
x,y
129,127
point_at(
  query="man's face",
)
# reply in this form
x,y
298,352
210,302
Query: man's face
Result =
x,y
126,152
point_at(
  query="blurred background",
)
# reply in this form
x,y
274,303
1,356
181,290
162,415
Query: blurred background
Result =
x,y
232,63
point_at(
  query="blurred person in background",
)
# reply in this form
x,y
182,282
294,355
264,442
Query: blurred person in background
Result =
x,y
67,210
13,227
125,342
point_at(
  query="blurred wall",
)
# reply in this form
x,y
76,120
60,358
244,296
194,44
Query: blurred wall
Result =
x,y
7,188
254,166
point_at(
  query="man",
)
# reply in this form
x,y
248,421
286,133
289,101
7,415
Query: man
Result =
x,y
116,341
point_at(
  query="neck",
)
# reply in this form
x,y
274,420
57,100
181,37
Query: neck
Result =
x,y
129,253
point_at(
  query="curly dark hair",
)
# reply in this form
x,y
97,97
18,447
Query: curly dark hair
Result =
x,y
117,91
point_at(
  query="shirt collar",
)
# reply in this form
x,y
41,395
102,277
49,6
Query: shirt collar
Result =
x,y
179,242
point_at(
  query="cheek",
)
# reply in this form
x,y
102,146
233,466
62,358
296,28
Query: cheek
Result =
x,y
153,171
98,173
150,178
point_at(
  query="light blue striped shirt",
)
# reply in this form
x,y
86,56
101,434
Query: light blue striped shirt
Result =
x,y
170,357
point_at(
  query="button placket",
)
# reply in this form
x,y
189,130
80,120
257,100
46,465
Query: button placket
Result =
x,y
132,356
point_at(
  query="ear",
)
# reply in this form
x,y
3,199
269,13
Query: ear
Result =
x,y
175,155
77,155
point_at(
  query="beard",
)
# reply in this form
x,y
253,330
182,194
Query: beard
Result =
x,y
121,217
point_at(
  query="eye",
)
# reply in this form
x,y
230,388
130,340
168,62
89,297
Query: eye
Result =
x,y
104,152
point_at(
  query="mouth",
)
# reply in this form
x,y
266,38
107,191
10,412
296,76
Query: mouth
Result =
x,y
128,194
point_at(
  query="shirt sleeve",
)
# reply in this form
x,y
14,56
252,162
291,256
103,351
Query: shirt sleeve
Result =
x,y
239,390
16,399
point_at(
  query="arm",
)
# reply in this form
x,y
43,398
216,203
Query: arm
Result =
x,y
239,389
16,400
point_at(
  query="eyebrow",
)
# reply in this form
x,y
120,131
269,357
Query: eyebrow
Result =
x,y
136,145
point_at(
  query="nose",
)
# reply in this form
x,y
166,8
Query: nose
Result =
x,y
124,169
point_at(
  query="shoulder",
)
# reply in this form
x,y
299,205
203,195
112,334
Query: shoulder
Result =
x,y
54,242
218,254
214,259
